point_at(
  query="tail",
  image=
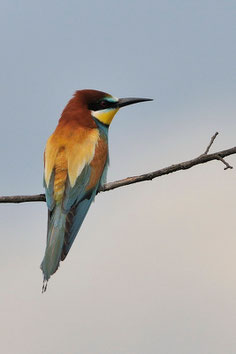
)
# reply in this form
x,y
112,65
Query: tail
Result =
x,y
63,227
55,240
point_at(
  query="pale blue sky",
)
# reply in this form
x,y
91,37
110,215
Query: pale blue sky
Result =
x,y
154,267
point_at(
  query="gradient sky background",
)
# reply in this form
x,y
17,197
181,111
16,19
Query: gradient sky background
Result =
x,y
154,267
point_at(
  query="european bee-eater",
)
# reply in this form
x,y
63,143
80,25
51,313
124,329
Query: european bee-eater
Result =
x,y
75,166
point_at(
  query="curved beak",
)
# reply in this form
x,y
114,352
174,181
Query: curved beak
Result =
x,y
131,100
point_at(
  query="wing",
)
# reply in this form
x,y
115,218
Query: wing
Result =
x,y
67,153
73,172
79,198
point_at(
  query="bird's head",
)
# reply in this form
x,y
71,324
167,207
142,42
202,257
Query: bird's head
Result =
x,y
104,106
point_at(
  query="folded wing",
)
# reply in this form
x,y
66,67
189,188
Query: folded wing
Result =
x,y
74,169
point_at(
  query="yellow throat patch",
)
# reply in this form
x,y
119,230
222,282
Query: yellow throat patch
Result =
x,y
105,116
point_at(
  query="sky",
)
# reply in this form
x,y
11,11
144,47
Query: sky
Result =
x,y
153,269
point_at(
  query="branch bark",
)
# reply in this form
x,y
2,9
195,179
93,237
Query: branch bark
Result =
x,y
203,158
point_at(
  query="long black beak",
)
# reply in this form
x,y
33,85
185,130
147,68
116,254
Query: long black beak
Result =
x,y
131,100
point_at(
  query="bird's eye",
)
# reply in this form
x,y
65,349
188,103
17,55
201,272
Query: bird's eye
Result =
x,y
103,104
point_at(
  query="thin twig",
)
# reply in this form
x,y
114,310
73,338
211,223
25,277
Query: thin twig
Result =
x,y
220,158
225,163
210,144
204,158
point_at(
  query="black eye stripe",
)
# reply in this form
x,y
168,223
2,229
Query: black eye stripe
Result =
x,y
102,104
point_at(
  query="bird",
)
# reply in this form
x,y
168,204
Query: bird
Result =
x,y
76,160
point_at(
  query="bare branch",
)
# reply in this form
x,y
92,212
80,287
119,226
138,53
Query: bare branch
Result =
x,y
204,158
170,169
23,198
